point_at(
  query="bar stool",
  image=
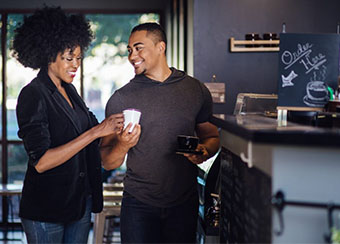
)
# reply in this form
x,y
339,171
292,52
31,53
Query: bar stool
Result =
x,y
113,194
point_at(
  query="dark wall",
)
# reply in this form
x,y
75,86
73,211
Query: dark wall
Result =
x,y
215,21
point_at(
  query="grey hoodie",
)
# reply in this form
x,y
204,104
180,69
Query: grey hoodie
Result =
x,y
156,175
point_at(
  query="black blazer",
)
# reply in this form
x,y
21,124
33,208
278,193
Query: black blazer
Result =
x,y
46,121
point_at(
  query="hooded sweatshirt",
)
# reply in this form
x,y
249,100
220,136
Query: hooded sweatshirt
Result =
x,y
155,174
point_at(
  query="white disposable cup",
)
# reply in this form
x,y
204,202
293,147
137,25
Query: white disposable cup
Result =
x,y
131,115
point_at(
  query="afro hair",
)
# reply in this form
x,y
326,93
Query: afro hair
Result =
x,y
49,31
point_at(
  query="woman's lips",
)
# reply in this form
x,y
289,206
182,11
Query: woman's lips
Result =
x,y
72,73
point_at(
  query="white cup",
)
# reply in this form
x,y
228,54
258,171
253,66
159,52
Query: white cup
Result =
x,y
131,115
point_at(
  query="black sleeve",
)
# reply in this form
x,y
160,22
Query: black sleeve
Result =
x,y
33,123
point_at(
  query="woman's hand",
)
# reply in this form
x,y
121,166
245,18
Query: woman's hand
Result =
x,y
110,125
58,155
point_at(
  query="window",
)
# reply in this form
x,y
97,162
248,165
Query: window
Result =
x,y
17,76
106,67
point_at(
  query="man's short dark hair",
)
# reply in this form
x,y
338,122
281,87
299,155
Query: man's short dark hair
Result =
x,y
152,28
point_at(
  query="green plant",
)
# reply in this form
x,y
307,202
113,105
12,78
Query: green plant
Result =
x,y
335,235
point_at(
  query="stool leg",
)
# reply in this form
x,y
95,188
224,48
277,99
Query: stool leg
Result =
x,y
98,229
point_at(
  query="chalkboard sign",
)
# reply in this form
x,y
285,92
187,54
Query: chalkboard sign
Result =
x,y
308,63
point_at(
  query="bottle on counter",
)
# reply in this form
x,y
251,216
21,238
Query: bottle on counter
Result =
x,y
337,91
331,93
337,94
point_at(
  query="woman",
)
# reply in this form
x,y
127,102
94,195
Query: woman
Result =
x,y
63,180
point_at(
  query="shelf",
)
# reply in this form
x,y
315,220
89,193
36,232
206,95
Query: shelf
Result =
x,y
240,46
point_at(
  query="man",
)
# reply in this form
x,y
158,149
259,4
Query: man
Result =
x,y
160,202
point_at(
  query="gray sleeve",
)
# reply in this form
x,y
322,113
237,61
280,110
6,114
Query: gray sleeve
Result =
x,y
114,105
205,113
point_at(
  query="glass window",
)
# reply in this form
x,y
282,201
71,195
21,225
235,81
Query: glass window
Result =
x,y
17,76
106,67
17,163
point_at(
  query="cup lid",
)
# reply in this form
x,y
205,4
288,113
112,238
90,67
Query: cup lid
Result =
x,y
131,109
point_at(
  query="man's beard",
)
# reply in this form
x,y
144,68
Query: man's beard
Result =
x,y
142,72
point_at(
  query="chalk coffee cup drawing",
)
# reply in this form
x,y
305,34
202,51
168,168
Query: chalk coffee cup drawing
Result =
x,y
317,90
317,94
131,115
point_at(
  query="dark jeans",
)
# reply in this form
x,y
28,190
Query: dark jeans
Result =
x,y
142,223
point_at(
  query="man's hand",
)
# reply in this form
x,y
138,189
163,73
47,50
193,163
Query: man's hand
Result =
x,y
128,139
114,147
210,142
198,158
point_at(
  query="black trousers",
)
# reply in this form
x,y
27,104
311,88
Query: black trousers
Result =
x,y
142,223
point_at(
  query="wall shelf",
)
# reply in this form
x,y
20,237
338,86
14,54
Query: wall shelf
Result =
x,y
240,45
